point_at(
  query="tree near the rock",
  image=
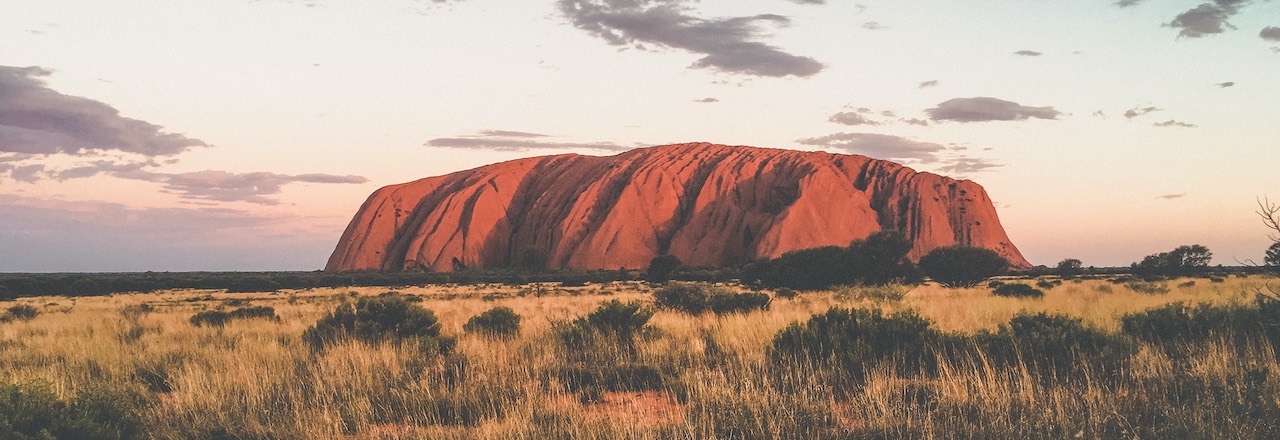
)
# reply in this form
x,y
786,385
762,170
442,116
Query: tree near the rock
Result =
x,y
1069,267
962,266
1184,260
661,267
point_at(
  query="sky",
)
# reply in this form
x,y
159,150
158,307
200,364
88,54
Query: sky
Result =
x,y
175,135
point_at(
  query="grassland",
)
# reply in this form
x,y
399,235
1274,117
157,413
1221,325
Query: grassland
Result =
x,y
708,376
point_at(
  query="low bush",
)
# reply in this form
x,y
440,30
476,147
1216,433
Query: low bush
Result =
x,y
499,322
1018,290
785,293
219,318
31,411
857,340
696,299
380,319
1177,323
739,302
607,334
22,312
1148,287
1059,347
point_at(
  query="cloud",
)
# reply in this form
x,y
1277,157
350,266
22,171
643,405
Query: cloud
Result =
x,y
880,146
706,100
1225,84
1172,196
726,44
982,109
873,26
1136,112
1173,123
1207,18
1028,53
969,165
37,119
1270,33
851,118
508,133
927,84
1128,3
485,140
224,186
809,2
915,121
101,167
22,173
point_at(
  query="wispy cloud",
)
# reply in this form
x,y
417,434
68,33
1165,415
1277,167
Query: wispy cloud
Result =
x,y
969,165
1226,84
1139,111
881,146
37,119
727,44
1028,53
1128,3
851,118
1173,123
1207,18
486,140
1172,196
982,109
706,100
927,84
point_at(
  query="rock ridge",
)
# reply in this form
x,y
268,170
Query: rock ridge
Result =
x,y
707,204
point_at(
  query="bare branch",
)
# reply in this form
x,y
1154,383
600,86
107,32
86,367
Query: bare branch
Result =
x,y
1270,213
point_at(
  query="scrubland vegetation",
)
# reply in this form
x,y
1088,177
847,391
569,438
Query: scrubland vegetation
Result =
x,y
1088,358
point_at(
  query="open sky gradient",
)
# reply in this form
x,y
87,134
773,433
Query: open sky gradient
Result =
x,y
242,135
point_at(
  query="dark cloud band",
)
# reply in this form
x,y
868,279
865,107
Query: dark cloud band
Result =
x,y
983,109
40,120
726,44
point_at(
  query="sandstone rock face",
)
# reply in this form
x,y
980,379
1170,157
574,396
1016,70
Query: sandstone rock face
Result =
x,y
709,205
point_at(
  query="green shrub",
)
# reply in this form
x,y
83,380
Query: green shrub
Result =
x,y
739,302
218,318
31,411
785,293
696,299
499,322
1059,347
1018,290
379,319
1176,323
23,312
685,297
962,266
855,341
1149,288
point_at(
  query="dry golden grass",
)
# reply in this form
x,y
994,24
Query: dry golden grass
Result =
x,y
256,379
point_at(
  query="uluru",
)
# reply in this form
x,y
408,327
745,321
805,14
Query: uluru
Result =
x,y
706,204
